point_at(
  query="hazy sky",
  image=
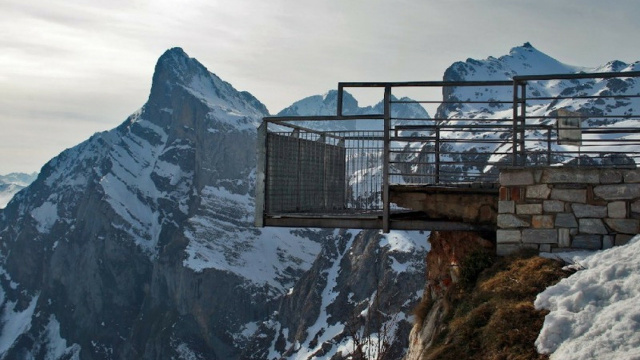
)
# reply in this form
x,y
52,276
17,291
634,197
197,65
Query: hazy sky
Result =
x,y
69,68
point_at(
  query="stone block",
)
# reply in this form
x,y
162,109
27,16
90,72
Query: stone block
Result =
x,y
607,241
610,176
529,209
515,194
592,226
617,210
632,176
503,193
570,176
570,195
625,226
635,206
537,175
541,191
506,207
589,211
566,220
540,236
508,249
516,177
542,222
552,206
589,242
622,239
510,221
564,238
617,191
508,236
545,248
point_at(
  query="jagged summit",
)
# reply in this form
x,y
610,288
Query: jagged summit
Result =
x,y
521,60
321,105
178,76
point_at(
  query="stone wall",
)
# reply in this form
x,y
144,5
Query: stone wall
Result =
x,y
563,208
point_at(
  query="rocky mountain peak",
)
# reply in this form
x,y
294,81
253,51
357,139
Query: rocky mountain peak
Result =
x,y
179,78
521,60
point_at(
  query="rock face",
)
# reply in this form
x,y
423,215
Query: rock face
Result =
x,y
350,296
448,251
138,243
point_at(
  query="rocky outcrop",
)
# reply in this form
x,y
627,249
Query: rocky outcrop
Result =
x,y
357,297
449,252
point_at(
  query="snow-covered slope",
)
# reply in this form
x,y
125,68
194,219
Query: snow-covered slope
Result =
x,y
594,313
10,184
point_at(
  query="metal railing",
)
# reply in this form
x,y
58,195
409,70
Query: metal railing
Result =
x,y
346,164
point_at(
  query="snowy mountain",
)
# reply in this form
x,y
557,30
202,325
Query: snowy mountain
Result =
x,y
145,225
139,242
326,105
10,184
527,60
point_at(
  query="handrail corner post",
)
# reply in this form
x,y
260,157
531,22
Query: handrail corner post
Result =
x,y
386,161
339,100
261,169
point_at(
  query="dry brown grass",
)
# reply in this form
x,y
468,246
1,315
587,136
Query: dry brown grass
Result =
x,y
495,319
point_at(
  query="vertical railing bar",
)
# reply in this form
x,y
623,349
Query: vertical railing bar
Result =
x,y
523,114
261,175
437,156
339,102
514,134
549,145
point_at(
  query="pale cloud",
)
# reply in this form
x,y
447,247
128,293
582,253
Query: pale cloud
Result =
x,y
73,67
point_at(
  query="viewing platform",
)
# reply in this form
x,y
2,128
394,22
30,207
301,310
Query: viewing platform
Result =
x,y
389,171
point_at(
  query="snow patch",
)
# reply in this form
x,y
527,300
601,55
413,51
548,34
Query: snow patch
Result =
x,y
595,313
45,216
57,346
223,238
405,241
15,323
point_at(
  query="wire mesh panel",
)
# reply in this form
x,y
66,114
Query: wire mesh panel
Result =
x,y
364,169
304,174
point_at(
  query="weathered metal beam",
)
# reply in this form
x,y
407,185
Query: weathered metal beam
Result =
x,y
386,160
375,223
261,166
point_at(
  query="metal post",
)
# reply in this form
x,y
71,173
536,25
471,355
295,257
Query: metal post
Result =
x,y
549,145
386,159
340,92
437,155
261,159
523,119
514,134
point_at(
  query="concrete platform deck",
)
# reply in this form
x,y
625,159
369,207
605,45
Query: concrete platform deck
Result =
x,y
464,206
